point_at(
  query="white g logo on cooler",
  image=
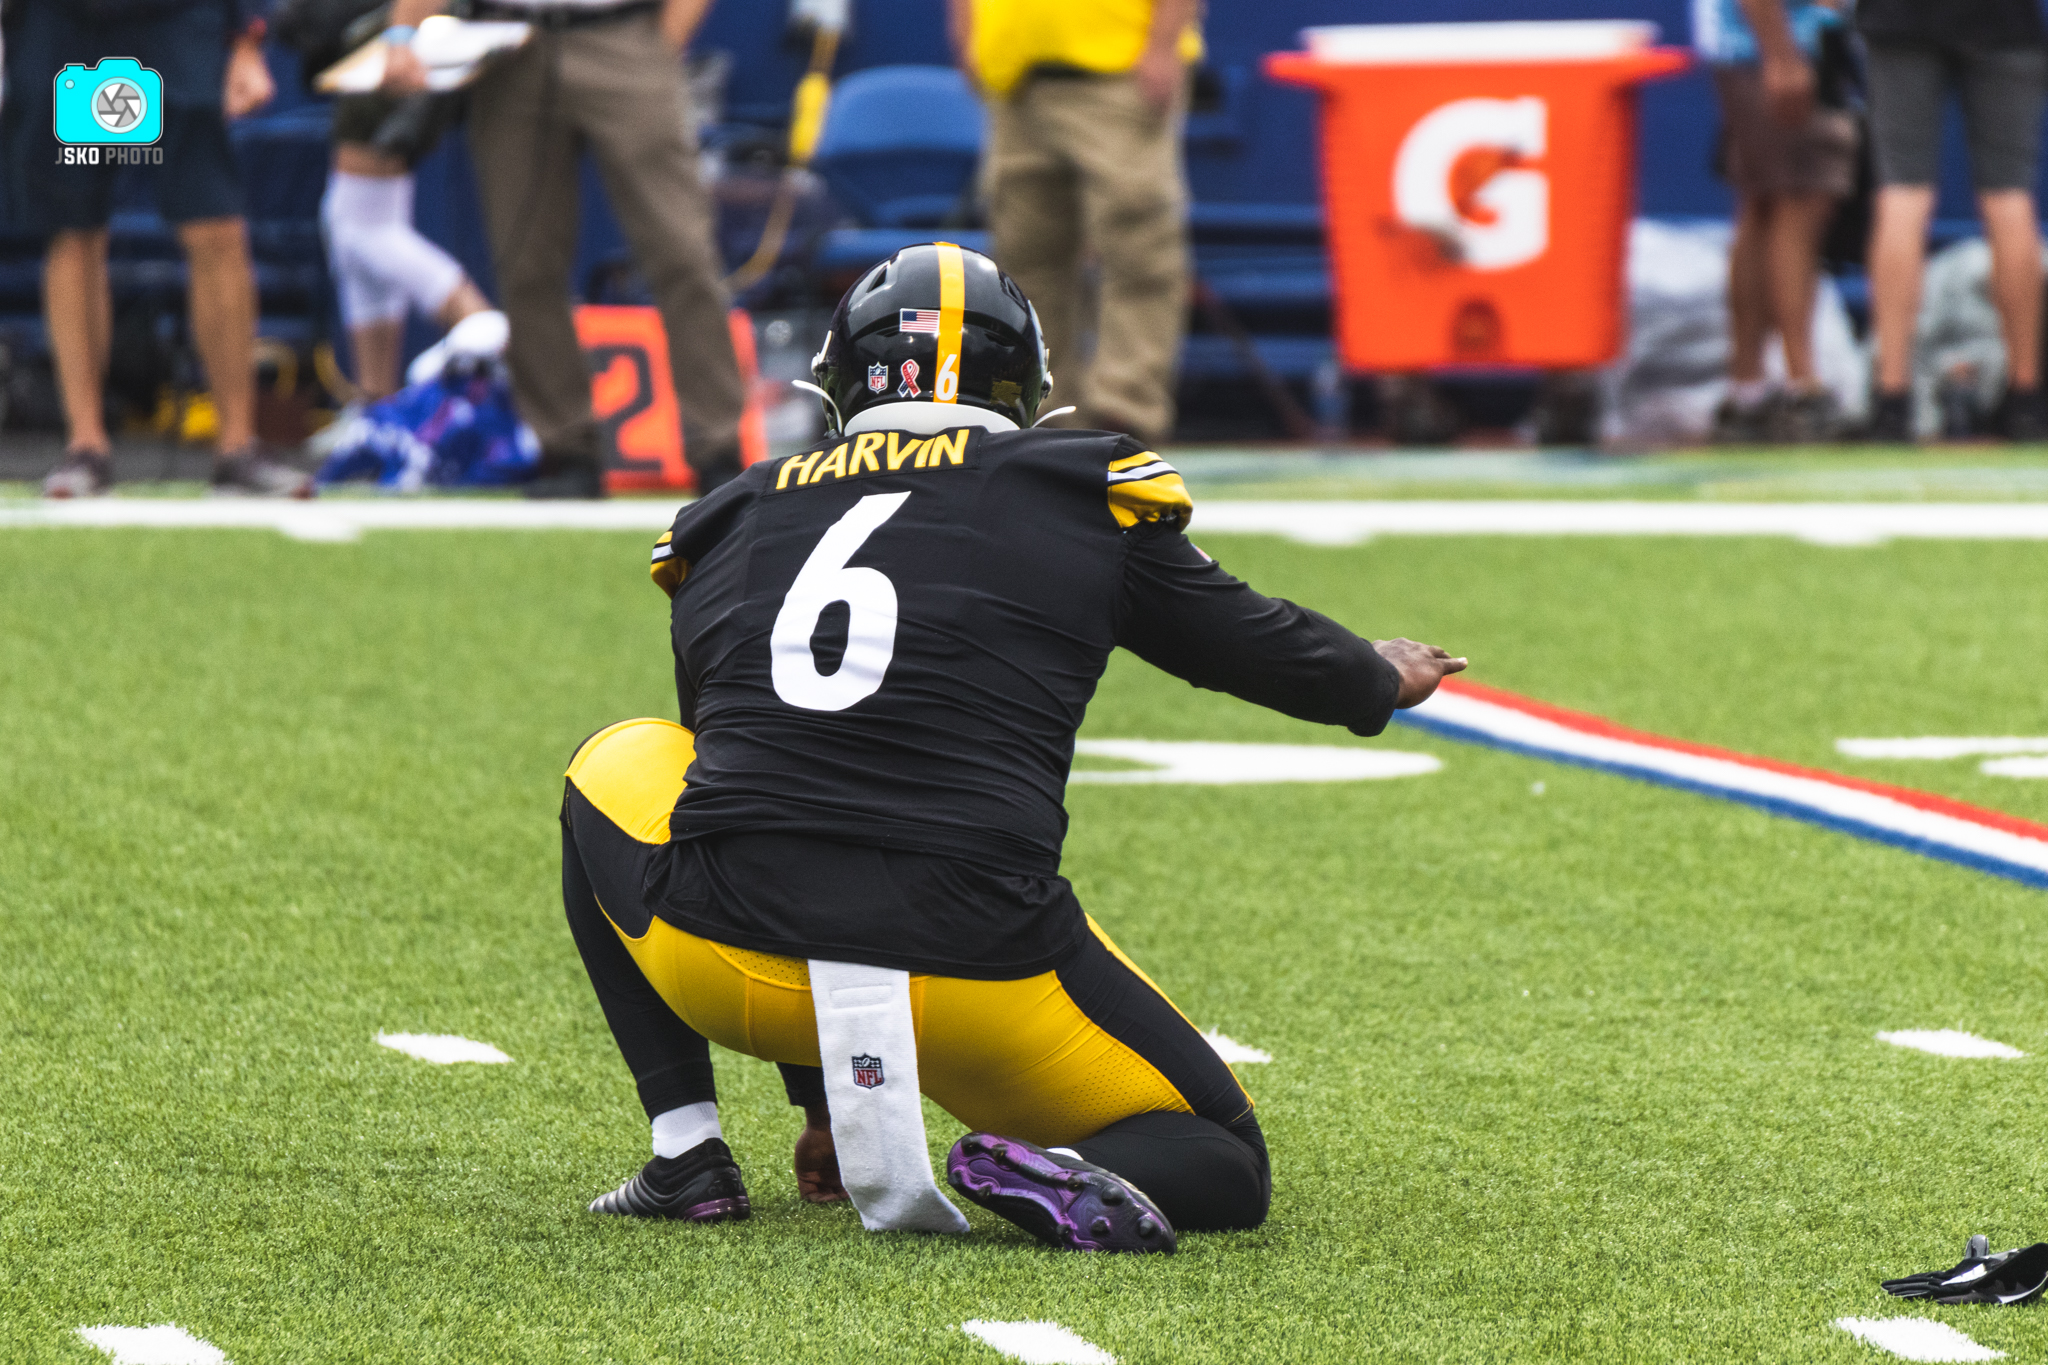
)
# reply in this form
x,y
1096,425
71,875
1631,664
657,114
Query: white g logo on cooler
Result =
x,y
1459,177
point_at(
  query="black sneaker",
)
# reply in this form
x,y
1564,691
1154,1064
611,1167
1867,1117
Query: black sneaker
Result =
x,y
2020,417
1891,419
1804,419
560,480
1061,1200
81,474
1736,425
251,475
702,1185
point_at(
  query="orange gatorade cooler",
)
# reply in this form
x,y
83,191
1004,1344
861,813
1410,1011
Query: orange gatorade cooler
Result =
x,y
1478,181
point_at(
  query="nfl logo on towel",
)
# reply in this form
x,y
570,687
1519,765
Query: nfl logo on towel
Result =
x,y
924,320
878,378
867,1072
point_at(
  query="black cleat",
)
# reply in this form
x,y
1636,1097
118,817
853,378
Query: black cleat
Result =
x,y
702,1185
1062,1201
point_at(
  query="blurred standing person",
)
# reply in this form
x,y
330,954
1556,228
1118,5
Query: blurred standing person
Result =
x,y
210,56
606,75
1087,99
1790,161
1991,54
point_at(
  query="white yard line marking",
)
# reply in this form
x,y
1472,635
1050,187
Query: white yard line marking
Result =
x,y
1312,523
1917,1339
1948,1042
163,1344
1941,746
1230,1050
444,1048
1227,764
2014,767
1037,1343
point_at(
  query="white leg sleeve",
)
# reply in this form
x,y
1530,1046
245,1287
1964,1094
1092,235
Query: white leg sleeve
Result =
x,y
380,263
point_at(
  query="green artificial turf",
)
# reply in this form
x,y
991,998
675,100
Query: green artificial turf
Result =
x,y
1587,1074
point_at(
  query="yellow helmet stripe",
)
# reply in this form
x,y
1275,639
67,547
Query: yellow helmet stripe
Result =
x,y
952,302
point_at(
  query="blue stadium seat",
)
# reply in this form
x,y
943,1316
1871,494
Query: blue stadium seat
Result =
x,y
900,144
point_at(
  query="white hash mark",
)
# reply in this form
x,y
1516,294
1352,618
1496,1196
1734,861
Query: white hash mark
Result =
x,y
441,1047
1037,1343
1230,1050
1948,1042
163,1344
1917,1339
1218,764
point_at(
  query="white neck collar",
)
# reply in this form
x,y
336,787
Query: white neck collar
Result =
x,y
925,419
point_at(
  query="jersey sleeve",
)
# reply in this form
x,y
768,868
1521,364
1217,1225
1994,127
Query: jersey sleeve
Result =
x,y
697,528
1181,612
1144,488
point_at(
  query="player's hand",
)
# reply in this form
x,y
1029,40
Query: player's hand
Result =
x,y
1421,667
1161,74
404,72
1788,81
248,86
817,1160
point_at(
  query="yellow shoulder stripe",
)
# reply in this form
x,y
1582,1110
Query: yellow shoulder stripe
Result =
x,y
667,570
1143,487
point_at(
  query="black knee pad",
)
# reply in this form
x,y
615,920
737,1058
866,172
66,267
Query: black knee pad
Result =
x,y
1204,1177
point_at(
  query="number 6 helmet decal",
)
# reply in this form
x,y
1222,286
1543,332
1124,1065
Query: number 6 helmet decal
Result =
x,y
948,324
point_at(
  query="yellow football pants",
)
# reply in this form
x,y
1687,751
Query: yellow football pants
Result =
x,y
1022,1057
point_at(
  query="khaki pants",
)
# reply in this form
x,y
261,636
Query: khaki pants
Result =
x,y
1084,165
614,89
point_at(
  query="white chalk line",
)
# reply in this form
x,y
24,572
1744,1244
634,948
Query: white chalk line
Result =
x,y
442,1048
1349,522
163,1344
1948,1042
1037,1343
2030,760
1234,1052
1917,1339
1216,764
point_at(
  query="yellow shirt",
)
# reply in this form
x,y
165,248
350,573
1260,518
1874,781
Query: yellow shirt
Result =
x,y
1012,36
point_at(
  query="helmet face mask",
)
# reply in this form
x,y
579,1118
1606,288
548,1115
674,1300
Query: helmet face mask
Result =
x,y
890,339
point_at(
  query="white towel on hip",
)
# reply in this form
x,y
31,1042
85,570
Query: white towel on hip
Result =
x,y
868,1044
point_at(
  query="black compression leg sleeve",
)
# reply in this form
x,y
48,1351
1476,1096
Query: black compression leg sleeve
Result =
x,y
1204,1177
669,1060
805,1085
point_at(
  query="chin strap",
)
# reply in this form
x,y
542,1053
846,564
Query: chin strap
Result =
x,y
831,408
1056,412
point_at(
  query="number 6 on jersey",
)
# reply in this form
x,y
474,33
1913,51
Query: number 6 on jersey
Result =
x,y
871,625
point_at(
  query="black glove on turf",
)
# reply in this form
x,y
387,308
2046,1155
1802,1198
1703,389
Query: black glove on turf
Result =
x,y
2014,1276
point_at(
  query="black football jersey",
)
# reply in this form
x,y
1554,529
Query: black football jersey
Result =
x,y
888,641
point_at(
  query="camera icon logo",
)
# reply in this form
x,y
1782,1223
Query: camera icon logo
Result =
x,y
119,101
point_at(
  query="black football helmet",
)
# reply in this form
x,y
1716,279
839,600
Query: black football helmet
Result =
x,y
934,323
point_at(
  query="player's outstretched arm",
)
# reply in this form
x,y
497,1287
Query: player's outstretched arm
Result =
x,y
1421,667
1181,612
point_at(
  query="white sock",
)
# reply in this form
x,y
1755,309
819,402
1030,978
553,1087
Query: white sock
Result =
x,y
678,1130
1747,393
1066,1151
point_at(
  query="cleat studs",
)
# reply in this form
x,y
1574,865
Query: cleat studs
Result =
x,y
1113,1195
1100,1227
1147,1227
1077,1181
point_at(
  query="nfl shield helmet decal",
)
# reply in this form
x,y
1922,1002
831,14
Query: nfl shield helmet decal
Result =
x,y
867,1072
878,377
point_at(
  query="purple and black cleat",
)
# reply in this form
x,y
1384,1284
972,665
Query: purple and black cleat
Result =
x,y
702,1185
1060,1199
